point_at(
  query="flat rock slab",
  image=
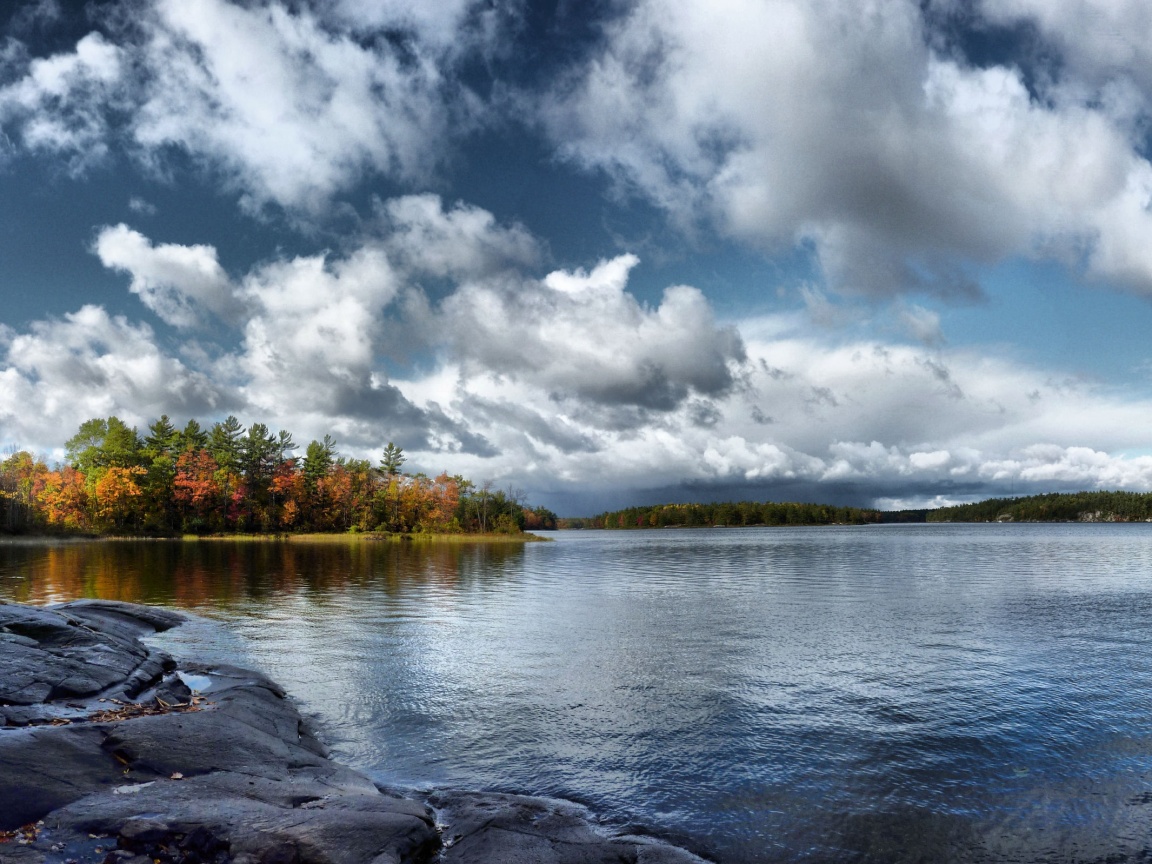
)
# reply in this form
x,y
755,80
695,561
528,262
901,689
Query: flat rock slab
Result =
x,y
76,650
481,827
106,755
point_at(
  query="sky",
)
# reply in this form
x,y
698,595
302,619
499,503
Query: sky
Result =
x,y
871,252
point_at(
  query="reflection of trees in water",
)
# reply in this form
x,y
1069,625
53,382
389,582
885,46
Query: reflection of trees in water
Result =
x,y
224,573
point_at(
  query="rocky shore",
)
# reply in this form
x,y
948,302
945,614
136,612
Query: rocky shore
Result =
x,y
111,752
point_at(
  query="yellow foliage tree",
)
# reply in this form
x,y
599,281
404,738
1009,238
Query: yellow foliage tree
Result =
x,y
118,494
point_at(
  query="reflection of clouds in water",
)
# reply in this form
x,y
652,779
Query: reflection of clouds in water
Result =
x,y
310,646
419,662
314,616
785,689
333,624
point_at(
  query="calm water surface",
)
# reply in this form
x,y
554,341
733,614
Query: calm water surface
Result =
x,y
884,694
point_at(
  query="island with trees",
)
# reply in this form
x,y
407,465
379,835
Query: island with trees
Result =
x,y
225,479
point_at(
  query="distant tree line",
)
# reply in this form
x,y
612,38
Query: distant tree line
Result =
x,y
225,478
1054,507
742,513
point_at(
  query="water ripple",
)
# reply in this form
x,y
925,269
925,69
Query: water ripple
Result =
x,y
893,694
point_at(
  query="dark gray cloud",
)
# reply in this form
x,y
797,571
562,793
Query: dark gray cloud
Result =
x,y
582,336
537,427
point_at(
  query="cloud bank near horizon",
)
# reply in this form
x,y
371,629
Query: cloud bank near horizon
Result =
x,y
558,382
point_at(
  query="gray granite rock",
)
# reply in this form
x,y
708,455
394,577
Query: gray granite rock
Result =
x,y
482,827
113,758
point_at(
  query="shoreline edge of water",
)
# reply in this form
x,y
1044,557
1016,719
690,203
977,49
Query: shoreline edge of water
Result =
x,y
112,753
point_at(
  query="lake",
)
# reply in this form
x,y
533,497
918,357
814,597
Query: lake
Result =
x,y
929,693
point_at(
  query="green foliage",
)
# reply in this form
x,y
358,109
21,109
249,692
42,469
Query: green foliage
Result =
x,y
162,438
1054,507
82,449
258,451
318,460
101,443
161,447
18,482
742,513
540,519
392,459
224,443
192,437
284,444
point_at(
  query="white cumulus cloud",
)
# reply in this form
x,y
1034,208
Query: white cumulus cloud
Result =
x,y
61,104
179,283
91,364
288,106
835,124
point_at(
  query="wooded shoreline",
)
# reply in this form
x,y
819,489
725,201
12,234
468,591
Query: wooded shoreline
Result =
x,y
223,480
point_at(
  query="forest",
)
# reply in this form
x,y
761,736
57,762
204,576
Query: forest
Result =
x,y
1054,507
228,479
726,514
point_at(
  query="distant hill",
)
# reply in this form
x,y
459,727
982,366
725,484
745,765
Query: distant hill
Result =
x,y
1055,507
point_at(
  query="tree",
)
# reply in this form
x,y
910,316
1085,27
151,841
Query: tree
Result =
x,y
392,459
318,460
191,437
224,447
224,443
228,477
484,498
197,488
117,494
161,439
21,479
64,499
103,443
82,450
159,452
542,519
121,445
284,444
258,452
289,489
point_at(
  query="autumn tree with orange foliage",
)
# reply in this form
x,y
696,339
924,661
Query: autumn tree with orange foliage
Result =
x,y
227,479
64,499
116,495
